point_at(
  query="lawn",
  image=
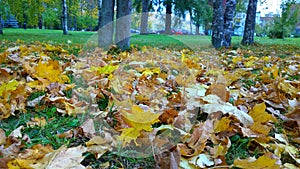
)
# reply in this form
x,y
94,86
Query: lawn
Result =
x,y
161,41
162,105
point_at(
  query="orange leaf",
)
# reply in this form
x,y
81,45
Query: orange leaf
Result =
x,y
261,117
263,162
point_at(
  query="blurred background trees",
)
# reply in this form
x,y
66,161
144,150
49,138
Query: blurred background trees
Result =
x,y
154,16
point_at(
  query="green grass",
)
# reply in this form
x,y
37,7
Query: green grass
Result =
x,y
47,36
56,124
161,41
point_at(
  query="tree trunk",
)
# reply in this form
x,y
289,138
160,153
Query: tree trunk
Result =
x,y
123,24
144,18
168,21
191,21
75,23
1,30
248,38
228,22
197,29
99,13
218,23
64,17
106,29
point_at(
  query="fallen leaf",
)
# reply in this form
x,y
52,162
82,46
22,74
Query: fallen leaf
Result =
x,y
62,158
139,120
261,117
10,86
201,160
252,163
2,137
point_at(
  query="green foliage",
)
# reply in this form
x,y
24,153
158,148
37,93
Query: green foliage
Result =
x,y
241,6
284,25
202,12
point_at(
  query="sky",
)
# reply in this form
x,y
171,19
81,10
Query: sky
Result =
x,y
269,6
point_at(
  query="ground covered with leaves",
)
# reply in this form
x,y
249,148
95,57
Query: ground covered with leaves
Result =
x,y
149,107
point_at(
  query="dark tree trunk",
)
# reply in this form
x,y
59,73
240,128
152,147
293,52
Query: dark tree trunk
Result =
x,y
168,21
1,30
197,29
191,20
228,22
40,24
248,38
218,23
75,23
64,17
144,18
106,29
123,24
99,13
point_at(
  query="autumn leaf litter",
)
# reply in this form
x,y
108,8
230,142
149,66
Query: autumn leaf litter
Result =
x,y
182,107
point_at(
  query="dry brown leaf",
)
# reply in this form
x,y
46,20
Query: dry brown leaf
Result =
x,y
2,137
62,158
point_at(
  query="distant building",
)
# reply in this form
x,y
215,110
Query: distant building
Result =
x,y
2,22
266,20
11,22
239,22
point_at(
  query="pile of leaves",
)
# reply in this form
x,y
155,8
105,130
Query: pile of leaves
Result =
x,y
192,109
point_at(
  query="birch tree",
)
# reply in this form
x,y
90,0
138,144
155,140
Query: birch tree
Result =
x,y
218,23
64,17
222,27
228,22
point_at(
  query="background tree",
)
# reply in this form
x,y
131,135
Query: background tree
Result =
x,y
106,30
123,23
28,12
182,7
64,17
3,12
168,21
144,17
218,23
228,22
99,12
284,25
51,16
248,37
201,14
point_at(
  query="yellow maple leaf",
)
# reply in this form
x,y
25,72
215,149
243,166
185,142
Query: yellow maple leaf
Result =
x,y
52,71
139,120
261,117
10,86
149,72
108,69
222,125
237,59
262,162
274,71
